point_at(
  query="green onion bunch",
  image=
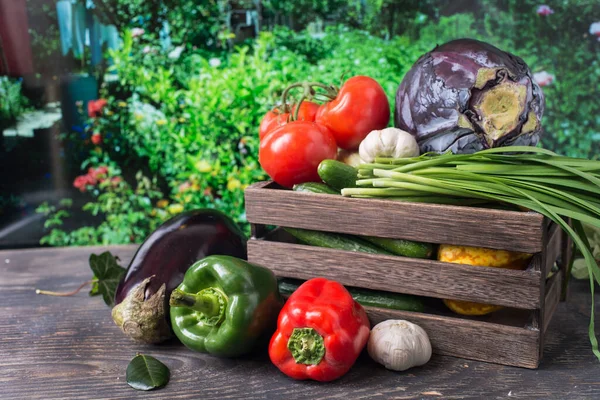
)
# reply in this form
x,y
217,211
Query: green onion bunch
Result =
x,y
558,187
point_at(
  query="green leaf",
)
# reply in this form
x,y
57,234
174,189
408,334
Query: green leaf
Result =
x,y
147,373
107,275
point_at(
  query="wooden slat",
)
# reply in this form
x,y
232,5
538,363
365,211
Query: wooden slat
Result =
x,y
508,230
474,340
552,298
566,256
517,289
553,249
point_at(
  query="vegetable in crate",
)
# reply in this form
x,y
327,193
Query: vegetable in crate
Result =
x,y
321,330
359,107
351,158
480,257
366,297
388,142
291,153
160,263
560,188
337,175
468,95
280,116
399,345
224,305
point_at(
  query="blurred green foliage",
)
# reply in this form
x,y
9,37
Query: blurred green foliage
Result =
x,y
189,116
12,102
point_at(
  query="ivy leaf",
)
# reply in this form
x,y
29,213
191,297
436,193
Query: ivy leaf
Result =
x,y
107,275
147,373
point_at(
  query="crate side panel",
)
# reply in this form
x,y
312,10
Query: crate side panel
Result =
x,y
553,248
553,292
508,230
473,340
517,289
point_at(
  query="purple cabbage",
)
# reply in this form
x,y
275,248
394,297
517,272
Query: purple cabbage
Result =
x,y
468,95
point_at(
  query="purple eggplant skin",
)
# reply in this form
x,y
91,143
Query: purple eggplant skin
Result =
x,y
160,263
468,95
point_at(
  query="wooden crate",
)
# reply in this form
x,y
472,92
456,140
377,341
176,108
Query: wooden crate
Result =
x,y
513,336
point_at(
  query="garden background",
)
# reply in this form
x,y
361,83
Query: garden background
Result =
x,y
172,121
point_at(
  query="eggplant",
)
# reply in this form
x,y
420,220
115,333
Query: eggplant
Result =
x,y
467,95
158,267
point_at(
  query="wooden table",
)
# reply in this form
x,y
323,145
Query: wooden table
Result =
x,y
68,348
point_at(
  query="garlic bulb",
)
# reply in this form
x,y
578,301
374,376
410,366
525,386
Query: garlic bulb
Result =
x,y
351,158
388,142
399,345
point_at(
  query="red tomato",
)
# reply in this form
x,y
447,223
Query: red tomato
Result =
x,y
275,118
291,153
360,107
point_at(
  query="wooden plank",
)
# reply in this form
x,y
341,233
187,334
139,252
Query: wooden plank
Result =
x,y
553,292
509,230
518,289
474,340
566,257
553,248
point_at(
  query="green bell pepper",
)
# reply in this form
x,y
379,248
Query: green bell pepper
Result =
x,y
223,305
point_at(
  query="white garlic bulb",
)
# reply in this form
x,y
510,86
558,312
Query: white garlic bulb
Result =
x,y
399,345
388,142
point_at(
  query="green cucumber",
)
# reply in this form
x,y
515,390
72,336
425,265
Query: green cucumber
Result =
x,y
314,187
366,297
402,247
337,175
334,241
399,247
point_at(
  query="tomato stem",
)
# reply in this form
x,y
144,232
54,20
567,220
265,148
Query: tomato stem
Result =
x,y
297,110
331,91
284,96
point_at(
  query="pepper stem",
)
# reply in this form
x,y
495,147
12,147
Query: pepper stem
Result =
x,y
306,346
210,303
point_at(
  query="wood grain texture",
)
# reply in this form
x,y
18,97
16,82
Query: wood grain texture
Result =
x,y
553,289
566,257
553,248
69,348
474,340
508,230
518,289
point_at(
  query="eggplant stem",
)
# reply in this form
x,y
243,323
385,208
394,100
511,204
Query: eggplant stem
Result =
x,y
65,294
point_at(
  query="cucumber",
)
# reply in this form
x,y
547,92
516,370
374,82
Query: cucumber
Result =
x,y
334,241
366,297
314,187
399,247
402,247
337,174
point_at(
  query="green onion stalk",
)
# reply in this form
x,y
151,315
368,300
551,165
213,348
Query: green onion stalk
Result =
x,y
560,188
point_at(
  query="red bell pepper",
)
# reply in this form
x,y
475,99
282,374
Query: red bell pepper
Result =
x,y
321,330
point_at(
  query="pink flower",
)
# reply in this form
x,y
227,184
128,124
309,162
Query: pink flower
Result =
x,y
595,29
80,183
544,10
543,78
97,173
184,186
115,180
146,50
135,32
95,107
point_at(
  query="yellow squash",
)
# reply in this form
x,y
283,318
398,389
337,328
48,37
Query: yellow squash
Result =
x,y
481,257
